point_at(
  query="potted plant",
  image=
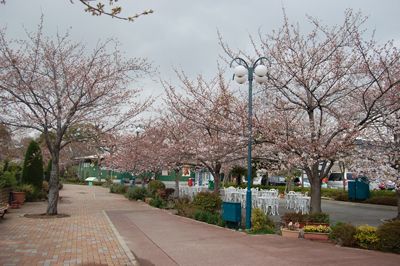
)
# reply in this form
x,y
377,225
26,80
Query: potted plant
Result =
x,y
19,195
291,231
316,232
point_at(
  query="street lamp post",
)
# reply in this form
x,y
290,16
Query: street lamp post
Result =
x,y
138,130
259,73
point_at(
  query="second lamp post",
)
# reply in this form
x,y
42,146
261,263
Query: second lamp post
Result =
x,y
259,73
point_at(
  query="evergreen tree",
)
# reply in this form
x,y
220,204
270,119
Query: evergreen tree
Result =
x,y
32,172
5,166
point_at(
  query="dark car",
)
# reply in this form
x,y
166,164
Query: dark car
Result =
x,y
276,181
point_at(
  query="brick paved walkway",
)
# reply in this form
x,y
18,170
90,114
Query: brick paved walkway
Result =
x,y
86,237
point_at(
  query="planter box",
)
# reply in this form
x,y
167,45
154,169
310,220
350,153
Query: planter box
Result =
x,y
290,233
316,236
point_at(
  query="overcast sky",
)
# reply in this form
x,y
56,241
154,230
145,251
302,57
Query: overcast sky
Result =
x,y
183,33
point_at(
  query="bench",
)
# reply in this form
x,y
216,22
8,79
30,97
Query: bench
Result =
x,y
3,210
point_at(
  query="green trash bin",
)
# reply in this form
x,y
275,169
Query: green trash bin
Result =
x,y
211,185
232,212
358,189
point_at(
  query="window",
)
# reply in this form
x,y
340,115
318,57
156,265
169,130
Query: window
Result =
x,y
336,177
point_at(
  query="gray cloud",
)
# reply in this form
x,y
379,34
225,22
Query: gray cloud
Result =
x,y
182,33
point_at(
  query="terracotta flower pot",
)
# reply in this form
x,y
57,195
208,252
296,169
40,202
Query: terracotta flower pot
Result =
x,y
316,236
290,233
15,205
19,197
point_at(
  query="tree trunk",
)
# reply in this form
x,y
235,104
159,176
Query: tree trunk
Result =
x,y
398,203
315,193
176,183
239,180
216,182
217,172
53,186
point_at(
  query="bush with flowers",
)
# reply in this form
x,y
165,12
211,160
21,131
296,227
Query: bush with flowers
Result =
x,y
366,237
317,229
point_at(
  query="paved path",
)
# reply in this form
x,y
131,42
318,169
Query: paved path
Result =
x,y
351,212
155,236
160,238
86,237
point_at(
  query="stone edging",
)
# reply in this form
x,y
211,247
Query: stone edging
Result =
x,y
121,241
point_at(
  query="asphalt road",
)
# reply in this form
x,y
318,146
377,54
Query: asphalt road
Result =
x,y
354,213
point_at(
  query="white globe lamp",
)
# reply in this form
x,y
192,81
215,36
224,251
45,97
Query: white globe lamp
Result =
x,y
260,70
240,80
240,71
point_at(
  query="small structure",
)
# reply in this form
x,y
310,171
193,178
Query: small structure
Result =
x,y
90,180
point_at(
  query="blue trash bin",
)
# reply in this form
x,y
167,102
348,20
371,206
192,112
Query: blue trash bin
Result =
x,y
232,212
358,189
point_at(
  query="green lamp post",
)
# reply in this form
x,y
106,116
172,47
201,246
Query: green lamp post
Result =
x,y
258,72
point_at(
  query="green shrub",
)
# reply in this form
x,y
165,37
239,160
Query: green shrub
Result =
x,y
45,186
207,201
260,221
344,196
32,171
73,180
157,202
382,193
7,179
184,207
343,234
333,193
382,200
366,237
118,188
155,185
135,193
262,231
169,192
294,217
318,217
221,222
389,236
201,215
5,165
208,217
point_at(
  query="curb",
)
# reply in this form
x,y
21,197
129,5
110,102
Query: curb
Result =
x,y
121,241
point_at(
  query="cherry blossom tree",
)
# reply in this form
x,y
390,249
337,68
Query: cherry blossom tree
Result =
x,y
157,148
109,8
325,88
212,122
6,143
51,85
